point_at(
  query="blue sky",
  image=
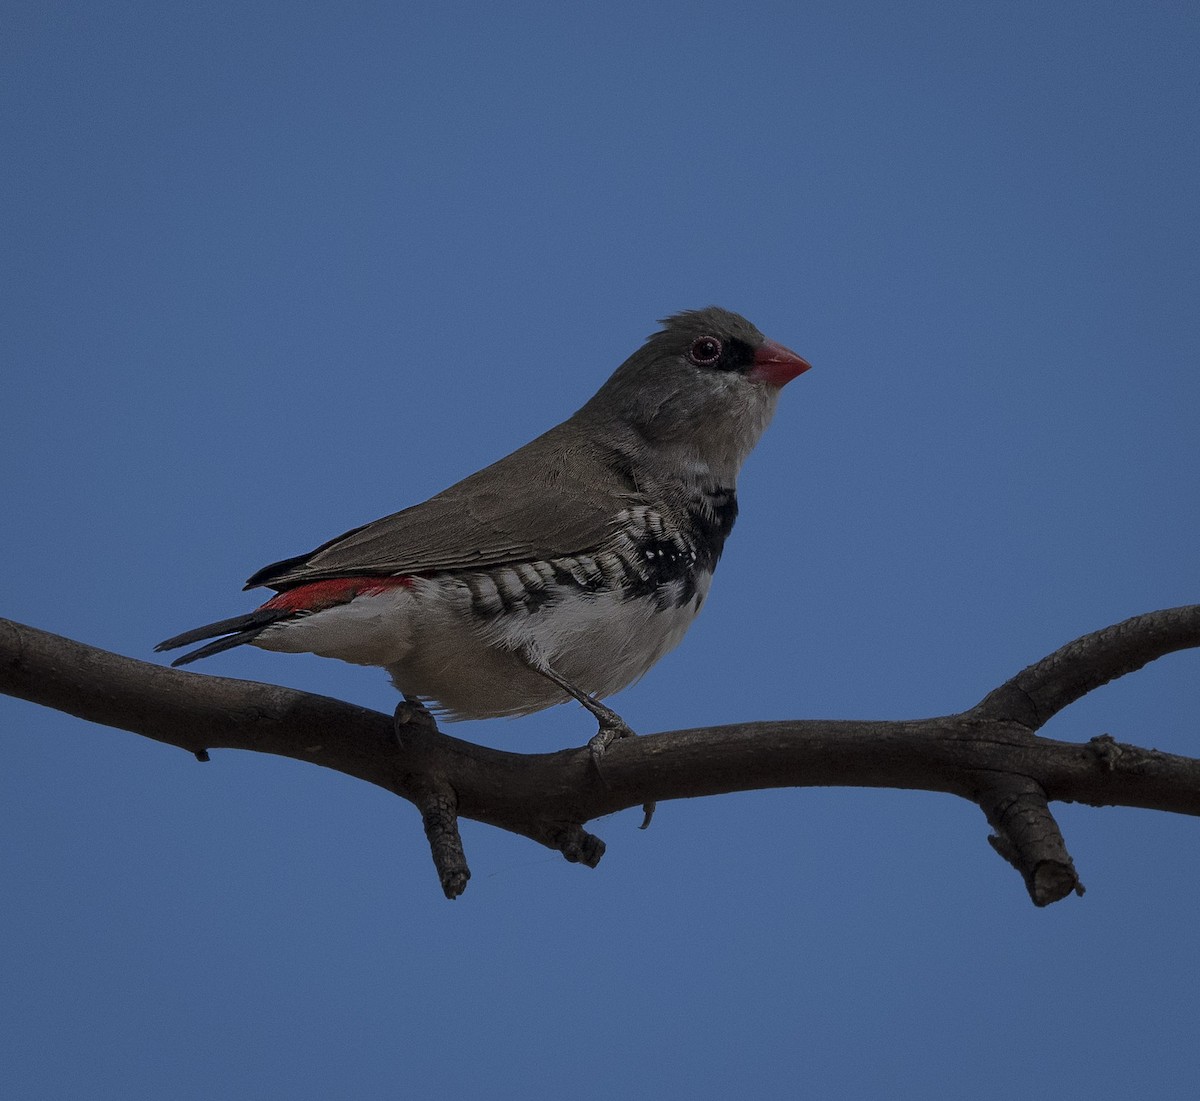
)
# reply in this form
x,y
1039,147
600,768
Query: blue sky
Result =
x,y
271,271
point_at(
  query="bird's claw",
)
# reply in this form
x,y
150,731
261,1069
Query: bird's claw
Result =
x,y
408,710
612,727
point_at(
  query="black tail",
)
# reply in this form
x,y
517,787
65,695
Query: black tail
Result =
x,y
237,630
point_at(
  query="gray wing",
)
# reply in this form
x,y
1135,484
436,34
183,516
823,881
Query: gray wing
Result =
x,y
545,500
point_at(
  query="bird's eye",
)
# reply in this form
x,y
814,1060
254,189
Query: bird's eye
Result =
x,y
705,351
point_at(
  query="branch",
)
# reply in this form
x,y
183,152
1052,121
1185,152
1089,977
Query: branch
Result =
x,y
1036,694
989,754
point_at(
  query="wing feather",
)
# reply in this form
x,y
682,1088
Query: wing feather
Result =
x,y
545,500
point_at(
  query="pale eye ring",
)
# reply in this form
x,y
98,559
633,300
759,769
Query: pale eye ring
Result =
x,y
705,351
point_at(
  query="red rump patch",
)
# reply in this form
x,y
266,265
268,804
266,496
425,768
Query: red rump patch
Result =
x,y
317,595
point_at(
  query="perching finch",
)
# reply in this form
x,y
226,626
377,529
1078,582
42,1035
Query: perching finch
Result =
x,y
566,569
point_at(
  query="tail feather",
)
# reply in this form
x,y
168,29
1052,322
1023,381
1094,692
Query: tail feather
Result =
x,y
237,630
294,601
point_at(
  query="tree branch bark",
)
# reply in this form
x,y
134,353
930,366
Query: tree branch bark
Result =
x,y
989,754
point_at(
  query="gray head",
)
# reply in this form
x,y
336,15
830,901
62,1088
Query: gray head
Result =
x,y
705,385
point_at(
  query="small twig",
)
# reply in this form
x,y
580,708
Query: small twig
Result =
x,y
1043,689
439,812
1028,837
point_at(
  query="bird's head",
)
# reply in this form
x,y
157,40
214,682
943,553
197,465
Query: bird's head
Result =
x,y
704,387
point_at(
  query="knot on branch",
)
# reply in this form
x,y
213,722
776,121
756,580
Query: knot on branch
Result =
x,y
1028,837
1114,756
1107,750
575,843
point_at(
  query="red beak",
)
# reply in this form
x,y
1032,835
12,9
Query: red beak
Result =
x,y
776,365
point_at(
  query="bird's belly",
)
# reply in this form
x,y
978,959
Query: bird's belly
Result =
x,y
438,645
471,666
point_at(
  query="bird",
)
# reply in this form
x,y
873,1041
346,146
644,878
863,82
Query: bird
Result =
x,y
564,570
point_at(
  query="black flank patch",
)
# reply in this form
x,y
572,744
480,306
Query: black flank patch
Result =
x,y
685,555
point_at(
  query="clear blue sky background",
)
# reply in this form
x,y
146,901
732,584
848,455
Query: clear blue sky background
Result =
x,y
273,270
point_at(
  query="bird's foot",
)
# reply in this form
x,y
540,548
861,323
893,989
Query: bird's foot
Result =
x,y
408,710
612,728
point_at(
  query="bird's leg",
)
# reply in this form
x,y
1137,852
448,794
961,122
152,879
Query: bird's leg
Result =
x,y
612,726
